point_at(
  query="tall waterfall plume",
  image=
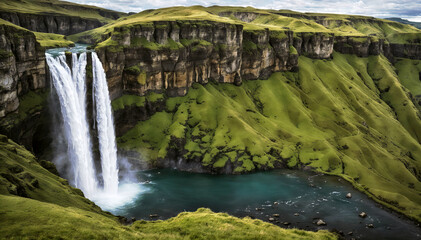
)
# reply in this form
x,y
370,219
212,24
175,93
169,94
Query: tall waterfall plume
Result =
x,y
105,126
70,90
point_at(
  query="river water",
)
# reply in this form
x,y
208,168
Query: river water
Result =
x,y
302,198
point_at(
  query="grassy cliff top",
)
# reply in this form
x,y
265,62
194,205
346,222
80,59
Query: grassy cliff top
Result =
x,y
55,7
260,19
46,40
35,203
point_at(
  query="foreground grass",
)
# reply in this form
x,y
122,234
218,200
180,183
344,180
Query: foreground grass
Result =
x,y
27,218
349,116
37,204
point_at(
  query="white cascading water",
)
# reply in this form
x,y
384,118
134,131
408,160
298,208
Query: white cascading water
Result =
x,y
105,126
70,86
71,93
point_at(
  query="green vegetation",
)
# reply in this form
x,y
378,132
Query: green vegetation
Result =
x,y
29,104
133,100
409,74
60,8
404,21
22,175
51,40
35,203
349,117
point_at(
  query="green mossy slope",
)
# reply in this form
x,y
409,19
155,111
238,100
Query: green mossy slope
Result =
x,y
409,74
37,204
22,175
348,116
51,40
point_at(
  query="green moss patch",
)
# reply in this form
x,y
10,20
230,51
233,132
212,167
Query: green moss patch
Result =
x,y
51,40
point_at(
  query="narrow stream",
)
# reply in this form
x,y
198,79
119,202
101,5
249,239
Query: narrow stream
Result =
x,y
301,198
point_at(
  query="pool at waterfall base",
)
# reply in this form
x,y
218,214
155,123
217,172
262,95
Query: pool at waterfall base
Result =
x,y
288,198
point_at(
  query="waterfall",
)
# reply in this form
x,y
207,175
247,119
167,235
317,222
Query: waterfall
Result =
x,y
70,87
70,92
105,126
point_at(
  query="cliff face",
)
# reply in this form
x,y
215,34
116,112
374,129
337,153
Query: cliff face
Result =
x,y
22,71
22,66
174,55
60,24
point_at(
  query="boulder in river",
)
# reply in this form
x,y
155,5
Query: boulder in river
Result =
x,y
348,195
275,215
320,222
363,215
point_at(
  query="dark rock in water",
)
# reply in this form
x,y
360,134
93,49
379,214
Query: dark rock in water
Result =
x,y
339,232
271,219
348,195
370,225
286,223
259,209
350,233
275,203
320,222
296,214
275,215
153,215
133,219
363,215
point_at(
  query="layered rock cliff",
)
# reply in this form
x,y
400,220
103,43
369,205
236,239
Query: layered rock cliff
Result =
x,y
54,16
60,24
172,55
22,71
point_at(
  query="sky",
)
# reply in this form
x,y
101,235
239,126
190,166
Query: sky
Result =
x,y
407,9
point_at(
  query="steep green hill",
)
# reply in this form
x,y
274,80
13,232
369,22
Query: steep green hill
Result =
x,y
37,204
349,116
404,21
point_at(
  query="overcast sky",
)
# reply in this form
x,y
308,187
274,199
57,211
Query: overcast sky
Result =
x,y
408,9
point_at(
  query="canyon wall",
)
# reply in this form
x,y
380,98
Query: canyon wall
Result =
x,y
60,24
172,55
22,71
22,66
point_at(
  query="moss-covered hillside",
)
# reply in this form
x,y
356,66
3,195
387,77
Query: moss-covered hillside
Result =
x,y
348,116
37,204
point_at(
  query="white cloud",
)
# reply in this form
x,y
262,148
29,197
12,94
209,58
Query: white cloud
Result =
x,y
410,9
